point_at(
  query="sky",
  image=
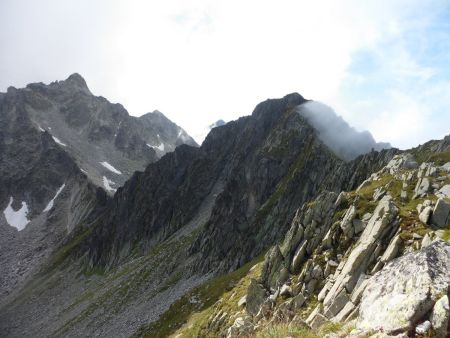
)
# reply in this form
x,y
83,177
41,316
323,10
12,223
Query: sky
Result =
x,y
382,65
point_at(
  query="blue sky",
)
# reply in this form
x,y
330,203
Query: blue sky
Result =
x,y
403,83
382,65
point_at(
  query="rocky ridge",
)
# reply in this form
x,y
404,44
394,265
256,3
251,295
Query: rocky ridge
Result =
x,y
108,144
194,214
178,231
56,153
369,262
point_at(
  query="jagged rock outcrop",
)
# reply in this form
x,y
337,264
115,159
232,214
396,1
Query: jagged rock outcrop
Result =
x,y
381,224
440,317
107,143
39,179
259,161
441,214
353,262
199,212
404,292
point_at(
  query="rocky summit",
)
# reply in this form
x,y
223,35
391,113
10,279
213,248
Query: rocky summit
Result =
x,y
273,227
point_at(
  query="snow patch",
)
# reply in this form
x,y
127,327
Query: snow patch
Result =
x,y
57,140
83,171
182,135
160,147
107,184
40,128
17,219
110,168
50,204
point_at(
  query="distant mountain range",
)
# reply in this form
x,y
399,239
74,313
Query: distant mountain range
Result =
x,y
62,150
276,219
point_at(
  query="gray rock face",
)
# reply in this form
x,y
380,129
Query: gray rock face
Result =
x,y
422,187
361,255
347,222
425,214
238,192
444,192
37,173
256,295
397,297
402,161
94,131
440,317
441,214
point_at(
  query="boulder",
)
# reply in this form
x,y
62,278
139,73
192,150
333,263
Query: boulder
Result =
x,y
424,216
422,188
426,241
318,321
256,296
241,326
243,301
293,236
358,226
317,272
444,192
337,305
362,254
446,167
402,161
298,301
405,290
347,222
379,193
423,328
404,195
441,214
286,291
273,263
299,256
345,312
440,317
392,249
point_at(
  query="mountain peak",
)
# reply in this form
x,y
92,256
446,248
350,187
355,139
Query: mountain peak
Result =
x,y
294,98
77,80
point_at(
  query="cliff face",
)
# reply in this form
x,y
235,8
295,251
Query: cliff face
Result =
x,y
365,262
107,144
43,194
251,174
193,214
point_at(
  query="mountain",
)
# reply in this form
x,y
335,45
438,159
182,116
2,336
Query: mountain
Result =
x,y
200,136
108,144
60,149
225,239
372,261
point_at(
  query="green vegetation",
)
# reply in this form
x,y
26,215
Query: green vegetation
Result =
x,y
282,330
80,233
440,158
425,154
189,314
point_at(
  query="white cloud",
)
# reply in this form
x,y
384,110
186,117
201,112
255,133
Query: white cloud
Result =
x,y
201,60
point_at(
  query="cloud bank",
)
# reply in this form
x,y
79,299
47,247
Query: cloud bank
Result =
x,y
344,140
382,63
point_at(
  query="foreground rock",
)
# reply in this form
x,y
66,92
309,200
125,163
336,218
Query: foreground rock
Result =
x,y
401,296
441,214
